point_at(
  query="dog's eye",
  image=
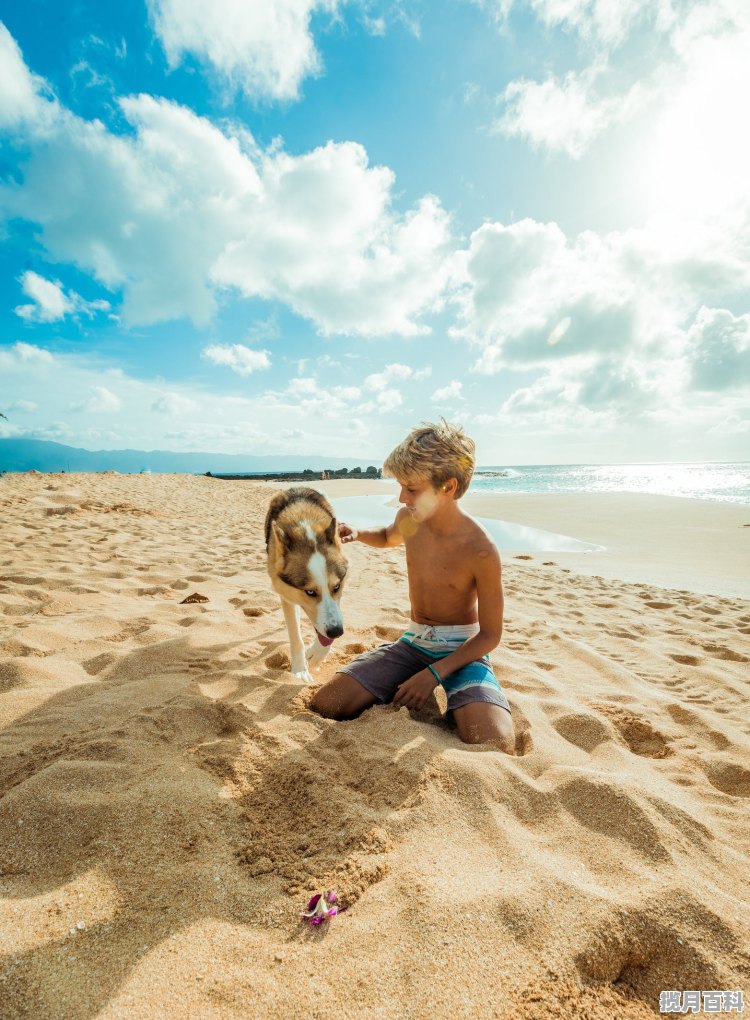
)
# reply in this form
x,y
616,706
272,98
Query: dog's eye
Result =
x,y
336,587
311,592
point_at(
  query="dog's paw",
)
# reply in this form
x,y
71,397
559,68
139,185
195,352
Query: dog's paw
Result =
x,y
303,675
315,653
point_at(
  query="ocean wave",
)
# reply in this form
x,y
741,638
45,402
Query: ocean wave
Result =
x,y
497,473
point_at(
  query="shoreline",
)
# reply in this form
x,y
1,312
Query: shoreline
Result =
x,y
672,541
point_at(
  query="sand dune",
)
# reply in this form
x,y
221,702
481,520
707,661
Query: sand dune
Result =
x,y
168,802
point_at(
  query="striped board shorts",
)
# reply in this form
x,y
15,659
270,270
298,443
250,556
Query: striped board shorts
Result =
x,y
384,669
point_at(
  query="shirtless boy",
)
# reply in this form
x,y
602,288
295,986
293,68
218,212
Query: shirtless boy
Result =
x,y
456,595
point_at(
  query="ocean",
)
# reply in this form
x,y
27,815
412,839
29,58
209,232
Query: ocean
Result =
x,y
727,483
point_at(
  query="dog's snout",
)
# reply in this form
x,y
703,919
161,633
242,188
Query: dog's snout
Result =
x,y
334,632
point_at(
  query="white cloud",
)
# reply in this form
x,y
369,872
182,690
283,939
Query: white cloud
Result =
x,y
241,359
564,116
50,302
450,392
264,48
173,404
388,400
718,350
23,357
101,401
379,381
615,324
22,99
178,209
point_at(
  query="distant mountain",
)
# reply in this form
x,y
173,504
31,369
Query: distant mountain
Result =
x,y
29,454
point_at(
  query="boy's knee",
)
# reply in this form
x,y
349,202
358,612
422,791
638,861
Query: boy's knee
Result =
x,y
480,724
499,740
335,700
322,703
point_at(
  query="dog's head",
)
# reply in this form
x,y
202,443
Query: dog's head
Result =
x,y
309,568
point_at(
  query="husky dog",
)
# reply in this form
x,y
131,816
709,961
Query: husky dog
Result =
x,y
307,570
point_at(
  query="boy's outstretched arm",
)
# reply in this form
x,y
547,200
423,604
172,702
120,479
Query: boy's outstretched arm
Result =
x,y
378,538
415,691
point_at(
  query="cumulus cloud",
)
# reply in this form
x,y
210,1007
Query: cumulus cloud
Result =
x,y
173,404
615,323
265,49
564,116
718,350
25,101
379,381
101,401
51,303
177,209
24,357
450,392
604,23
241,359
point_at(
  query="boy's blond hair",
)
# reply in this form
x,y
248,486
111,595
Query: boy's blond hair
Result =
x,y
436,453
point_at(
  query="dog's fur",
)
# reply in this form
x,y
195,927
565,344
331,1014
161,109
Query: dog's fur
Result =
x,y
304,556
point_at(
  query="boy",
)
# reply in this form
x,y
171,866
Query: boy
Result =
x,y
456,595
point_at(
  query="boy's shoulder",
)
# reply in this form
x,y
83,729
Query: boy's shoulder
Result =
x,y
474,537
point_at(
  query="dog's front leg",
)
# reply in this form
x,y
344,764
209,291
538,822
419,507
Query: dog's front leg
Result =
x,y
296,646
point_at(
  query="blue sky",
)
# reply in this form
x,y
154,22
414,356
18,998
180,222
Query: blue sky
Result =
x,y
305,226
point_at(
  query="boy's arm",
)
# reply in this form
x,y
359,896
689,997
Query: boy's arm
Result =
x,y
488,575
378,538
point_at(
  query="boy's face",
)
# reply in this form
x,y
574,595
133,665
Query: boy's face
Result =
x,y
420,498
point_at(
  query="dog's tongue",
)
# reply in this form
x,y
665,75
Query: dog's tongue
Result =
x,y
325,641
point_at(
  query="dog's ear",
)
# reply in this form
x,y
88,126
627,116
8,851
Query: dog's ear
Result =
x,y
282,538
332,532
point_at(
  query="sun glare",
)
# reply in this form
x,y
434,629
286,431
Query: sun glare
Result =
x,y
695,162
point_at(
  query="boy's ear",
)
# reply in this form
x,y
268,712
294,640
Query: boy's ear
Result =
x,y
450,486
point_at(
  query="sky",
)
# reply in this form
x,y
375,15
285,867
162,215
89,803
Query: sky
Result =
x,y
306,226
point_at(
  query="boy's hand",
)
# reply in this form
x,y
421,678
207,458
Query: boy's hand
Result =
x,y
415,692
347,533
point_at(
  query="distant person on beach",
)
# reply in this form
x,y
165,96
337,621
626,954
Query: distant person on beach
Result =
x,y
456,594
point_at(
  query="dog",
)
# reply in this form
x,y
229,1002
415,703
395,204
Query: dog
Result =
x,y
307,570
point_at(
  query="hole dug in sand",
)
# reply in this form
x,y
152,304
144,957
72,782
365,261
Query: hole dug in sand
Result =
x,y
643,953
313,824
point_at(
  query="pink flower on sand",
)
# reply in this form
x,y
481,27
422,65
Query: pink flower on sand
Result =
x,y
321,907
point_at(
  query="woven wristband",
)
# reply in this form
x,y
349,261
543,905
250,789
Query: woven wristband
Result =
x,y
435,674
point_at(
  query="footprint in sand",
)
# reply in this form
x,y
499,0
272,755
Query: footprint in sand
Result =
x,y
279,660
638,733
728,777
727,654
99,663
685,660
253,611
582,730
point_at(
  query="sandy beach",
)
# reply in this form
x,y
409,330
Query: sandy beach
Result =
x,y
168,802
